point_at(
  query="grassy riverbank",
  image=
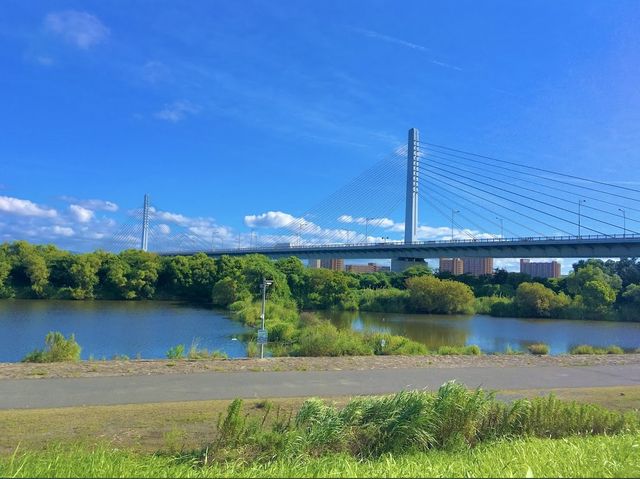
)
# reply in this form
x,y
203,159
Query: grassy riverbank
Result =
x,y
468,433
571,457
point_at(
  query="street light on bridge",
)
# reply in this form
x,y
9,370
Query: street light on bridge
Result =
x,y
624,222
579,226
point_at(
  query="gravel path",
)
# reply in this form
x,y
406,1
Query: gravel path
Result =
x,y
357,363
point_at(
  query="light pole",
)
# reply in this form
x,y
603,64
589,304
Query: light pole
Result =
x,y
265,284
579,226
501,227
453,212
624,222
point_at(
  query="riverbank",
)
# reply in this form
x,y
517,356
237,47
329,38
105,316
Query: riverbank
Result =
x,y
347,363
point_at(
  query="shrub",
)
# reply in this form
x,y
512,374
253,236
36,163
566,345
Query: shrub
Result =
x,y
326,340
512,352
58,348
195,352
252,349
383,300
428,294
386,344
587,349
485,304
538,349
413,421
615,350
471,350
176,352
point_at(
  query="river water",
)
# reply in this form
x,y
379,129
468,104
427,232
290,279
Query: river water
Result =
x,y
147,329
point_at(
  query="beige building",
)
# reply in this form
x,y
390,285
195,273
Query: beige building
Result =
x,y
477,266
313,263
454,266
335,264
540,269
366,268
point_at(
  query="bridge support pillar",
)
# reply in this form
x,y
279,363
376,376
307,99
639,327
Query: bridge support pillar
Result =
x,y
144,242
398,265
411,212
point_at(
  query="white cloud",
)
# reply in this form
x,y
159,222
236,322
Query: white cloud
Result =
x,y
385,223
83,215
92,204
78,28
20,207
271,219
62,230
164,229
177,111
404,43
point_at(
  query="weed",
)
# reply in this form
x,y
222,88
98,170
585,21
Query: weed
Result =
x,y
176,352
538,349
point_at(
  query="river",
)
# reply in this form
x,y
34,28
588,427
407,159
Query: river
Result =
x,y
147,329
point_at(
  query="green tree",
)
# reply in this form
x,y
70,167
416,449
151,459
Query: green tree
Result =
x,y
598,295
534,300
226,291
83,273
429,294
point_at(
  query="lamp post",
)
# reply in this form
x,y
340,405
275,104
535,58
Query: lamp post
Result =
x,y
579,226
624,222
265,284
453,212
501,227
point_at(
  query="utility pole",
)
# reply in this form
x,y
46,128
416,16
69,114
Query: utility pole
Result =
x,y
624,222
144,244
263,332
579,216
453,212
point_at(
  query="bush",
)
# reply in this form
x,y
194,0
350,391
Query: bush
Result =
x,y
428,294
538,349
386,344
386,300
587,349
412,421
252,349
485,304
176,352
471,350
58,348
326,340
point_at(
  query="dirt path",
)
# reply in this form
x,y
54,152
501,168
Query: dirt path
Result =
x,y
358,363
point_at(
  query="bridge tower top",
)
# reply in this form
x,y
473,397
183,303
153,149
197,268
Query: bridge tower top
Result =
x,y
411,212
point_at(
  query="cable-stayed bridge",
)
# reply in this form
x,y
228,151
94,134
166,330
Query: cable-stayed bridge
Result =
x,y
491,207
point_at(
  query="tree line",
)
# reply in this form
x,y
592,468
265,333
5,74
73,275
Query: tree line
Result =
x,y
595,289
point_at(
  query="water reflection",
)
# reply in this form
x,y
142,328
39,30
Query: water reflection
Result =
x,y
106,328
492,334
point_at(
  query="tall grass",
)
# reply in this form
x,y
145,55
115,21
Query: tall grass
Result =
x,y
412,421
58,348
587,349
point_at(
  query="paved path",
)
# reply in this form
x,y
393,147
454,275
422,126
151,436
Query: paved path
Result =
x,y
42,393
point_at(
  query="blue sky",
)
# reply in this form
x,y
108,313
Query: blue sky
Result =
x,y
224,111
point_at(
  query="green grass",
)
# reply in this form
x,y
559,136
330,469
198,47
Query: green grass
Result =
x,y
538,349
587,349
603,456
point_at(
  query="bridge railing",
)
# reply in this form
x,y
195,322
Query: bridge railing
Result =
x,y
378,245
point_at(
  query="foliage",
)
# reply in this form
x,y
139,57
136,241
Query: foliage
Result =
x,y
391,300
428,294
587,349
536,301
471,350
538,349
176,352
252,349
57,349
327,340
390,345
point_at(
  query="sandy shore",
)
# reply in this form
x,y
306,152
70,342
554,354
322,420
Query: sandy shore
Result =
x,y
149,367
